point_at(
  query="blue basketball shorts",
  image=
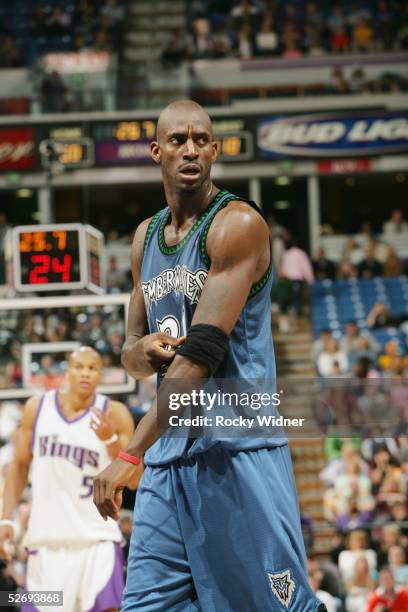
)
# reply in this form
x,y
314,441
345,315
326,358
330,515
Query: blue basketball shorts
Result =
x,y
219,532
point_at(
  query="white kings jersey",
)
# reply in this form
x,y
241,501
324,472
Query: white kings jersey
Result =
x,y
67,454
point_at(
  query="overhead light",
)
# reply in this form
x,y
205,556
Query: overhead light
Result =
x,y
282,180
282,205
24,193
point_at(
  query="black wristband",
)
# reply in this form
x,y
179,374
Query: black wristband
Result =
x,y
206,345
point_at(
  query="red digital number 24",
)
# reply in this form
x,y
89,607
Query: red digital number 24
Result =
x,y
39,274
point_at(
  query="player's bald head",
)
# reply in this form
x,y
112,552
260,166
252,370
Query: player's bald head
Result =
x,y
180,110
85,352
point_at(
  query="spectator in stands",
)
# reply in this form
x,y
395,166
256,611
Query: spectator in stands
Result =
x,y
10,55
336,18
396,224
385,468
340,40
354,503
339,463
59,22
351,343
391,361
175,49
221,40
379,317
290,41
321,343
360,584
267,39
201,40
315,580
366,349
358,83
346,269
357,545
245,12
393,265
332,362
362,37
54,93
397,562
296,268
115,278
246,46
323,268
388,597
369,266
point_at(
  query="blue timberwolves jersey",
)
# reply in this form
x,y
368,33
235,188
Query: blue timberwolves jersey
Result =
x,y
172,280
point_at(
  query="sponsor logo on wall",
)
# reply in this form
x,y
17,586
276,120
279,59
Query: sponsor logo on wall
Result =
x,y
333,135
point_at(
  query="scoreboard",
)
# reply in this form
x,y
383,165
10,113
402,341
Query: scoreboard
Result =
x,y
110,143
245,138
55,257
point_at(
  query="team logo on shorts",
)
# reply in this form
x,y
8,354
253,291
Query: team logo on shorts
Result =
x,y
282,586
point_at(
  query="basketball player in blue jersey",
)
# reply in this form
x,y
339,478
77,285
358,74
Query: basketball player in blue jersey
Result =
x,y
216,523
66,437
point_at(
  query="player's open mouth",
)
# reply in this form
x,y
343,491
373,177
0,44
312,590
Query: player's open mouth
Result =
x,y
190,170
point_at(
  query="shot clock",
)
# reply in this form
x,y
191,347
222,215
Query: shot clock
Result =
x,y
56,257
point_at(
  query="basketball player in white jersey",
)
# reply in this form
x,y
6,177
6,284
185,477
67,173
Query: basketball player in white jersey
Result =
x,y
68,436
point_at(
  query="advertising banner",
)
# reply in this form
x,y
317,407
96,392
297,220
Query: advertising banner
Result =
x,y
16,148
333,135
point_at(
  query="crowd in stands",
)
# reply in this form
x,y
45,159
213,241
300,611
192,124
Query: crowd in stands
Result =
x,y
29,29
257,28
102,327
366,499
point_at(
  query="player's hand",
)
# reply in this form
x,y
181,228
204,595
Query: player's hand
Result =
x,y
102,424
160,349
108,488
6,541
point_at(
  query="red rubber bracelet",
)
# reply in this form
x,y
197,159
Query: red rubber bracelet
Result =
x,y
129,458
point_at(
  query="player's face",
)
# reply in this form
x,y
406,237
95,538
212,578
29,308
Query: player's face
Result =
x,y
186,149
84,373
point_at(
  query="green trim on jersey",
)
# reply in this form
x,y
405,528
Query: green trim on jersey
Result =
x,y
150,228
256,287
170,250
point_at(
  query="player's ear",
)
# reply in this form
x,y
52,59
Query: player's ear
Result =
x,y
214,145
155,152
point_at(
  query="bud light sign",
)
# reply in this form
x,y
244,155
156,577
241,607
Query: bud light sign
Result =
x,y
333,135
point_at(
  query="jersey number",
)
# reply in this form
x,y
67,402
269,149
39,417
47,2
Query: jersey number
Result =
x,y
87,483
169,325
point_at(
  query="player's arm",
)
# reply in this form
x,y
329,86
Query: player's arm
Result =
x,y
143,354
239,250
238,246
17,472
124,427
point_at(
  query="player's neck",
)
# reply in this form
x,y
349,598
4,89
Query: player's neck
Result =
x,y
185,205
71,402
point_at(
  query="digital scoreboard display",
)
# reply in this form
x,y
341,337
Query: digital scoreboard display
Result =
x,y
57,257
128,142
49,257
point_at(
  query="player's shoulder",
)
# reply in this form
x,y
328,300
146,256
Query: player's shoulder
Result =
x,y
240,218
139,240
30,410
